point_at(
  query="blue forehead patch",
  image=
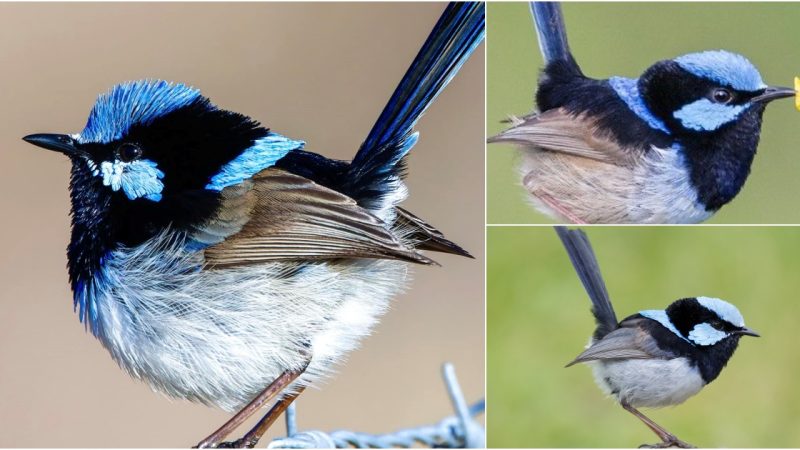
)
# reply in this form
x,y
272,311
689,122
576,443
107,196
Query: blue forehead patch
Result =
x,y
131,103
725,68
723,309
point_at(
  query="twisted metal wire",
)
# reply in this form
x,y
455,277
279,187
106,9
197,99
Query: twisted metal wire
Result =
x,y
457,431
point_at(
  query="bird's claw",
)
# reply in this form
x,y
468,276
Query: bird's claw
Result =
x,y
239,443
670,443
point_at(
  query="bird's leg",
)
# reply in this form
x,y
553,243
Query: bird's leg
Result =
x,y
667,439
548,200
250,439
274,388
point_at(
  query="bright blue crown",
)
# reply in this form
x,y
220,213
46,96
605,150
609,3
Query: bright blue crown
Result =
x,y
723,309
723,67
131,103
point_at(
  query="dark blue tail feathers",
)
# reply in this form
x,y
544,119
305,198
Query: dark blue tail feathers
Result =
x,y
551,31
585,263
378,165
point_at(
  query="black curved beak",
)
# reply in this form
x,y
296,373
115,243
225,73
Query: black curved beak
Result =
x,y
747,332
773,93
61,143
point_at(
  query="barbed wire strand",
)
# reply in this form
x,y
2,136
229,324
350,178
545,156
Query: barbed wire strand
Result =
x,y
458,431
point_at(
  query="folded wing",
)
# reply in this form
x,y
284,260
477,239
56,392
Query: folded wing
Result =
x,y
558,131
282,216
630,341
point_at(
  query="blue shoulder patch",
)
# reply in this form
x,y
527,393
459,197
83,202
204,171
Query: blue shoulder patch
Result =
x,y
660,316
134,102
264,153
628,90
725,68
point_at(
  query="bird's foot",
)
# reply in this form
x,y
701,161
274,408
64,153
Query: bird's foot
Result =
x,y
556,206
671,442
239,443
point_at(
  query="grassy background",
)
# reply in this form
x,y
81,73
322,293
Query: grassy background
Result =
x,y
538,320
624,39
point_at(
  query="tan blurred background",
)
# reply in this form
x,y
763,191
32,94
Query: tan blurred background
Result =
x,y
318,72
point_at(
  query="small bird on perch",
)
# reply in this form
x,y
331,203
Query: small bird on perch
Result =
x,y
657,357
221,262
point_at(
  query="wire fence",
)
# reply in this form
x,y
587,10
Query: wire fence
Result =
x,y
458,431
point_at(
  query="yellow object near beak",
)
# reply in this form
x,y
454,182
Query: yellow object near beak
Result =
x,y
797,94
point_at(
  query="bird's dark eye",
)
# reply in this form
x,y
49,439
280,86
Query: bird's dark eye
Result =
x,y
721,95
129,152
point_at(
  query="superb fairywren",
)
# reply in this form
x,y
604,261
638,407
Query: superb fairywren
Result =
x,y
672,146
657,357
221,262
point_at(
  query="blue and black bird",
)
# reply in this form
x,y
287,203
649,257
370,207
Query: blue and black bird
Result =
x,y
221,262
672,146
656,357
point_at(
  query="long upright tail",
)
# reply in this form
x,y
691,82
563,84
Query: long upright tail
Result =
x,y
378,166
552,32
585,263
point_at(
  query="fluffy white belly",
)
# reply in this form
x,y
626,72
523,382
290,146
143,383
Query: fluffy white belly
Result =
x,y
665,193
657,189
221,336
648,382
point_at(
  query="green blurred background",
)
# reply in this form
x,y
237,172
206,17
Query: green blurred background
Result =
x,y
624,39
538,320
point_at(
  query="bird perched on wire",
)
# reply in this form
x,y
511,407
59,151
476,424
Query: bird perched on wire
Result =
x,y
672,146
658,357
221,262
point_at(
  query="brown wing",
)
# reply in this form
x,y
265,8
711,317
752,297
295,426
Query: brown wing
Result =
x,y
627,342
425,236
288,217
557,130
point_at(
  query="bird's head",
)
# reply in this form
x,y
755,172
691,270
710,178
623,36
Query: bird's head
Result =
x,y
147,140
702,93
706,321
156,153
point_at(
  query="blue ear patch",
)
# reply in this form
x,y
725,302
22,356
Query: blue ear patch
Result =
x,y
135,102
724,68
628,91
264,153
705,334
137,179
705,115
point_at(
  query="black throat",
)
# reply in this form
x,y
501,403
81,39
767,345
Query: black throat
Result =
x,y
104,221
710,360
720,163
92,236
